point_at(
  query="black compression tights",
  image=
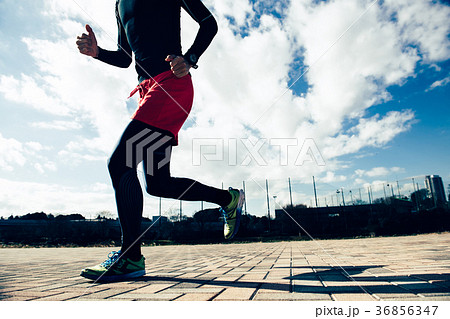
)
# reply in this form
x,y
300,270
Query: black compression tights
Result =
x,y
140,142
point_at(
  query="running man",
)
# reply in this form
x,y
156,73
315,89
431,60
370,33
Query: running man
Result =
x,y
150,29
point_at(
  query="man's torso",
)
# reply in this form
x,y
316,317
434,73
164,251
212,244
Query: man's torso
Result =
x,y
153,32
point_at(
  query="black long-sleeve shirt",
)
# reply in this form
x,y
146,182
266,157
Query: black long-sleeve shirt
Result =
x,y
151,30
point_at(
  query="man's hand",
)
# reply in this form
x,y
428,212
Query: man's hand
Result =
x,y
87,43
179,66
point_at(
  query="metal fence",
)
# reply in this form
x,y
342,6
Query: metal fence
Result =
x,y
264,196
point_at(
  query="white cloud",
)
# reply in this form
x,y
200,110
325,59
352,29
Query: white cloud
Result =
x,y
37,147
372,132
11,153
331,177
58,125
352,75
379,171
15,154
21,197
246,69
78,158
423,23
101,187
45,167
26,90
439,83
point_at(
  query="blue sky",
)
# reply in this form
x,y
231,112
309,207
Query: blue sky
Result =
x,y
422,149
375,102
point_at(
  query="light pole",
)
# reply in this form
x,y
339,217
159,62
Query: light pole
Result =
x,y
343,199
290,192
274,204
160,213
342,193
245,200
351,196
268,204
392,190
315,192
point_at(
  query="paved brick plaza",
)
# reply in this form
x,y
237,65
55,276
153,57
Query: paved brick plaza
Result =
x,y
391,268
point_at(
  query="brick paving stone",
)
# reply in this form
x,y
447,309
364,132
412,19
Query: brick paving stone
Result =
x,y
353,297
226,280
196,297
63,296
253,276
213,287
292,297
153,288
191,274
21,295
435,294
189,285
103,294
385,296
176,290
235,294
144,297
6,298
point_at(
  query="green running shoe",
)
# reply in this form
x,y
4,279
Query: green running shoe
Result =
x,y
115,269
232,213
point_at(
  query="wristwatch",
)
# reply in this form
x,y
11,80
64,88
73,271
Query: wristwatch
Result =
x,y
192,60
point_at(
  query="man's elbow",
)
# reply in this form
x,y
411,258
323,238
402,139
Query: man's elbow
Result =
x,y
214,27
125,61
126,64
210,25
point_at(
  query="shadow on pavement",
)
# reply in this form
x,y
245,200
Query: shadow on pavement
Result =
x,y
333,277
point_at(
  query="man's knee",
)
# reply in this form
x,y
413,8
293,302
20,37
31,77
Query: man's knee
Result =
x,y
117,169
157,186
153,188
113,165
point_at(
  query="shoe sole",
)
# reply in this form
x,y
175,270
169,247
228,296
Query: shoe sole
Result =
x,y
238,213
114,278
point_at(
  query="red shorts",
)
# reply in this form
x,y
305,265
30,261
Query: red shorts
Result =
x,y
165,102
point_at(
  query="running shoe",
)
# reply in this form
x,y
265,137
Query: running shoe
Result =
x,y
115,269
232,213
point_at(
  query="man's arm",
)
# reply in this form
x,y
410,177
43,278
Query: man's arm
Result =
x,y
87,44
208,29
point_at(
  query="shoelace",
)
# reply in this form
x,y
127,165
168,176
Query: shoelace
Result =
x,y
112,257
224,213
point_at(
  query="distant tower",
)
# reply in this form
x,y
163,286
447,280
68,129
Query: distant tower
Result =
x,y
435,187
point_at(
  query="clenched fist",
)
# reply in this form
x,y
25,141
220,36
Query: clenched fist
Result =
x,y
179,66
87,43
